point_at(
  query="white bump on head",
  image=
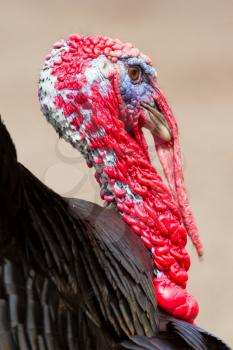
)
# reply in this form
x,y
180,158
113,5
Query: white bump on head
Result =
x,y
106,67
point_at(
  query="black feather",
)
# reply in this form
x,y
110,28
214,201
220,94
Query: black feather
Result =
x,y
189,334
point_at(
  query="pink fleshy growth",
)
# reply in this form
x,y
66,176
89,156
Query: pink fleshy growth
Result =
x,y
59,102
175,300
59,44
47,57
91,47
170,159
134,52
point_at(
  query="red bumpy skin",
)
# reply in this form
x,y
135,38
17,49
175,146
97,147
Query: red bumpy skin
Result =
x,y
161,217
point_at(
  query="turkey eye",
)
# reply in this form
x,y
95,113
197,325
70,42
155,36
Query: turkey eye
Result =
x,y
135,74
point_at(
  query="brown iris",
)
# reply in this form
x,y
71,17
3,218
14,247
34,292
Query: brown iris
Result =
x,y
135,73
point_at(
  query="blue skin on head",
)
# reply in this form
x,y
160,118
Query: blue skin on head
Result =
x,y
135,93
132,93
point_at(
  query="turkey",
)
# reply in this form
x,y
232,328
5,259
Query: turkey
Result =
x,y
90,277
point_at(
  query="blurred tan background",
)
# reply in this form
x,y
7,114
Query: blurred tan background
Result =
x,y
191,44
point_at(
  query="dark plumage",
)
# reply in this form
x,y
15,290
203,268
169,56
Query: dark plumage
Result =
x,y
74,276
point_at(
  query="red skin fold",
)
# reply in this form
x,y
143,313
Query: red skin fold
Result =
x,y
175,300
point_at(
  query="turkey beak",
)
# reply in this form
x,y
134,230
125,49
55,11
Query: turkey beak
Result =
x,y
157,123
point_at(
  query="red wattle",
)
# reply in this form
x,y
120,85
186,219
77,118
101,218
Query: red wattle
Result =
x,y
175,299
170,158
